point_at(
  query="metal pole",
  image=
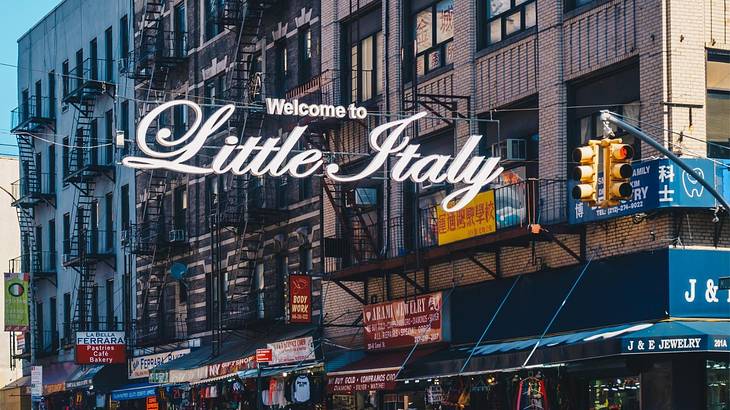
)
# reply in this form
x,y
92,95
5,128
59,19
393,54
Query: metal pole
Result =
x,y
610,117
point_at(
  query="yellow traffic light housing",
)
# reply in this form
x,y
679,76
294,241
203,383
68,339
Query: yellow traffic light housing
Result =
x,y
617,171
586,173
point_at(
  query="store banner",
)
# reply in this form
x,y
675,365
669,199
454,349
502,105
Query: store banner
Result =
x,y
382,379
292,351
656,183
232,366
671,344
476,218
694,283
140,367
402,323
300,299
101,348
36,383
16,302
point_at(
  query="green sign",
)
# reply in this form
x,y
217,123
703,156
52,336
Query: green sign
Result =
x,y
16,302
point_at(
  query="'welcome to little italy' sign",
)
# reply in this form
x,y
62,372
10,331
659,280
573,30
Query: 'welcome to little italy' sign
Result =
x,y
274,157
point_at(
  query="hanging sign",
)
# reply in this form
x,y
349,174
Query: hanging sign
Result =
x,y
367,380
264,355
292,351
140,366
36,383
16,302
300,299
274,157
100,348
404,322
477,218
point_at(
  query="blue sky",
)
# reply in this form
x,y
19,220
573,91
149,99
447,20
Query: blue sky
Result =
x,y
15,20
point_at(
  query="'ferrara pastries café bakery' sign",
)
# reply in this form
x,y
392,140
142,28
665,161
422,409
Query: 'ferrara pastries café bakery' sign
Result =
x,y
275,157
405,322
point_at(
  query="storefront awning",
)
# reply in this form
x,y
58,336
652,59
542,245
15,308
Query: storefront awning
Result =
x,y
20,382
642,338
99,376
134,392
55,376
375,371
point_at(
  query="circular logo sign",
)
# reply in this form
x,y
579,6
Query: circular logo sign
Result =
x,y
16,289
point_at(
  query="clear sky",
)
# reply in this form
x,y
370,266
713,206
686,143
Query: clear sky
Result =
x,y
15,19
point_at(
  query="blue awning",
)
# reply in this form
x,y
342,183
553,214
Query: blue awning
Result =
x,y
134,392
642,338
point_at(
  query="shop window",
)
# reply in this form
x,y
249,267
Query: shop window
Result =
x,y
364,60
718,104
622,393
213,10
718,384
433,33
505,18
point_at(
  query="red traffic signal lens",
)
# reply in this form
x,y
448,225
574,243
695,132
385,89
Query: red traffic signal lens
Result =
x,y
623,152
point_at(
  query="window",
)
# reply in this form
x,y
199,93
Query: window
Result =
x,y
52,94
109,219
93,60
65,78
259,287
54,323
95,307
25,105
110,319
718,104
282,67
52,169
433,32
125,207
181,207
179,120
66,233
212,93
508,17
591,126
124,37
305,53
94,142
717,384
38,99
124,124
213,13
51,242
574,4
364,60
108,55
79,69
67,316
109,137
40,327
180,29
621,393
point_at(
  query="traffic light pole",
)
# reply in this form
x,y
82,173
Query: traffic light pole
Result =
x,y
610,117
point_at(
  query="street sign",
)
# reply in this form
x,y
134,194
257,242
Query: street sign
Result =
x,y
264,355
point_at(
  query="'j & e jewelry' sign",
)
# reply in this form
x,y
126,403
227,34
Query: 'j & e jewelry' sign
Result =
x,y
272,156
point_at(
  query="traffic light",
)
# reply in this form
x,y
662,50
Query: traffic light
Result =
x,y
618,171
586,173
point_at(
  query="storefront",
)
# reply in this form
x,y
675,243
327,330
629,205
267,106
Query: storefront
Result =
x,y
16,395
89,386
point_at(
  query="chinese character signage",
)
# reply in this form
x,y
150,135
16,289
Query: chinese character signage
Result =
x,y
476,218
693,283
100,348
140,366
404,322
16,302
292,351
300,299
658,183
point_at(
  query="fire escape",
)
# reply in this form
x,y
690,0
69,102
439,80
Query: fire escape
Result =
x,y
34,116
87,159
158,53
245,204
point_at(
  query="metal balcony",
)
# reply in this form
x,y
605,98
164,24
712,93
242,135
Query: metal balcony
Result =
x,y
362,249
92,246
40,264
32,114
91,159
29,190
89,80
159,328
168,50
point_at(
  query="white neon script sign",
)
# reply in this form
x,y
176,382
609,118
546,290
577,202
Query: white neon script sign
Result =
x,y
271,156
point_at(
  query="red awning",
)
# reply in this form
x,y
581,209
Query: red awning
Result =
x,y
376,371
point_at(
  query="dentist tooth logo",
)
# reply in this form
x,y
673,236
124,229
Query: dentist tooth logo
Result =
x,y
691,186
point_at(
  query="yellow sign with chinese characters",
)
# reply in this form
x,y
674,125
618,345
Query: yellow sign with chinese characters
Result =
x,y
476,218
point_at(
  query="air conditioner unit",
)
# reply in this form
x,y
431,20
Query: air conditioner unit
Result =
x,y
177,235
511,149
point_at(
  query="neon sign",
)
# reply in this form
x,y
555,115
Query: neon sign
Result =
x,y
273,156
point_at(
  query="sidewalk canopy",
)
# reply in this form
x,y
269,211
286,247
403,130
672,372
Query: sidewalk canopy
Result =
x,y
235,351
99,376
642,338
55,376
